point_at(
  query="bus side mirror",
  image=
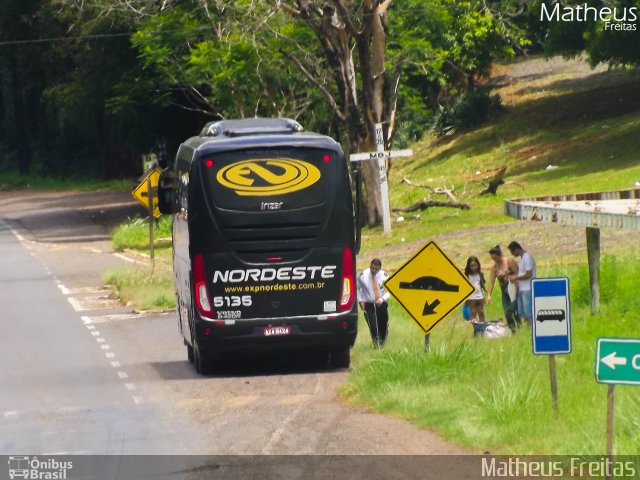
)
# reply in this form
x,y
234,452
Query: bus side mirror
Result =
x,y
167,188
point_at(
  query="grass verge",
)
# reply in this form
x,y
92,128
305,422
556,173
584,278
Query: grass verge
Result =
x,y
15,181
142,288
139,285
134,234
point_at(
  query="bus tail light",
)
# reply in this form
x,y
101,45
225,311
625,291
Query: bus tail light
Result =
x,y
203,304
348,281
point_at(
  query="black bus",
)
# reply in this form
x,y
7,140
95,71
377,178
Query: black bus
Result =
x,y
263,240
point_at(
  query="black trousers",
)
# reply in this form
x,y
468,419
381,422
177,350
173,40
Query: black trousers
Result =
x,y
378,320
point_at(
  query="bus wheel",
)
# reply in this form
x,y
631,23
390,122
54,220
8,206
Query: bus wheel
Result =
x,y
190,355
200,360
341,358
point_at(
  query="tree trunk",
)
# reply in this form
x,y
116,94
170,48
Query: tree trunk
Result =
x,y
342,32
371,46
371,194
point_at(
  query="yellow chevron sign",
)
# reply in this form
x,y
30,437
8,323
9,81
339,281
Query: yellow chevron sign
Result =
x,y
141,192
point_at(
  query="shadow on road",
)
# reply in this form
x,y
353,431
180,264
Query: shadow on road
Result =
x,y
292,362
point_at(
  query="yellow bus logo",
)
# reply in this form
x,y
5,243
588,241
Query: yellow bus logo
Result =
x,y
268,176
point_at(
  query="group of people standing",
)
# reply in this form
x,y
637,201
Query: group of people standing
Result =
x,y
514,279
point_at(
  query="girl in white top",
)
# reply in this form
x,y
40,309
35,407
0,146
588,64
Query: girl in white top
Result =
x,y
475,302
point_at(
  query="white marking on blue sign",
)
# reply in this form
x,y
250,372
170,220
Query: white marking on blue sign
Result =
x,y
551,323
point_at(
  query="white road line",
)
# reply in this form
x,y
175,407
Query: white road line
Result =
x,y
75,304
279,432
123,257
87,290
111,317
88,322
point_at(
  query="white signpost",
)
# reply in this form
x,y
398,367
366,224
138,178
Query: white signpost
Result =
x,y
380,155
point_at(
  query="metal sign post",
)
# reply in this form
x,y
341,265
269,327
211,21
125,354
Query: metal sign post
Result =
x,y
610,409
146,192
551,324
554,382
380,156
151,192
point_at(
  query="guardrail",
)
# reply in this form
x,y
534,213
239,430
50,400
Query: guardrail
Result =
x,y
617,209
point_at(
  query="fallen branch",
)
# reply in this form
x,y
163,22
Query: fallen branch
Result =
x,y
424,204
449,192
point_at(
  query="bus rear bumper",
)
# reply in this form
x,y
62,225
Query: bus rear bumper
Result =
x,y
337,333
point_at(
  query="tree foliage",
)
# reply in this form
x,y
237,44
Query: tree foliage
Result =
x,y
595,36
86,87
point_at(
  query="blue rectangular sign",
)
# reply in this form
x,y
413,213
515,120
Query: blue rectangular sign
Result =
x,y
551,322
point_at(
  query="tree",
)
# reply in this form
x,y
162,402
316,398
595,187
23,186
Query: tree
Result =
x,y
595,36
360,88
246,58
367,49
337,65
18,23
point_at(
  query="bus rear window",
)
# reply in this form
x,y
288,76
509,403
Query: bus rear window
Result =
x,y
269,180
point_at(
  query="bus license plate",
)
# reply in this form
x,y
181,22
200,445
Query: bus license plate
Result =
x,y
273,331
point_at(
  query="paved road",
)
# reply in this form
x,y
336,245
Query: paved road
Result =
x,y
83,374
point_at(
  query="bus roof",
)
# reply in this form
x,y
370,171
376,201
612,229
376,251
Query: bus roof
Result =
x,y
257,133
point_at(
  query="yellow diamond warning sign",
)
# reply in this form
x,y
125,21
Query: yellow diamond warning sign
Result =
x,y
141,192
429,286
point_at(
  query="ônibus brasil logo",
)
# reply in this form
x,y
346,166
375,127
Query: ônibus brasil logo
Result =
x,y
266,177
614,18
35,468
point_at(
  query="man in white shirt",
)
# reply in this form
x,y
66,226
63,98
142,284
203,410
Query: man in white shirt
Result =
x,y
373,298
526,273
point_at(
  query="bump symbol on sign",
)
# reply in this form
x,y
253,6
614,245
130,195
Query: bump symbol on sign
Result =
x,y
430,283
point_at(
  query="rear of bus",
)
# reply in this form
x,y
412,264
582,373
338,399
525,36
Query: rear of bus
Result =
x,y
271,241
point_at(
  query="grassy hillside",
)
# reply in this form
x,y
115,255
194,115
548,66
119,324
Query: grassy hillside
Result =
x,y
582,122
494,394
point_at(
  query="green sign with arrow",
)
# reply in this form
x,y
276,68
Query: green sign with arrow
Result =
x,y
618,361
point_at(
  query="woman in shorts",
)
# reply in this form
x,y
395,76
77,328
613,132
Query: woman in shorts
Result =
x,y
475,302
